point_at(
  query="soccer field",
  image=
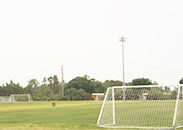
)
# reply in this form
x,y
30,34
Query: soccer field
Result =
x,y
42,116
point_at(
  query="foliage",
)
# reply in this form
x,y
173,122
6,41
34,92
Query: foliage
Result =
x,y
79,94
155,93
174,94
181,81
87,84
110,83
141,81
158,95
81,88
10,88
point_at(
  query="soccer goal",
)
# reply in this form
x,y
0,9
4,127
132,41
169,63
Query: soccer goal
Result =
x,y
148,107
20,97
4,98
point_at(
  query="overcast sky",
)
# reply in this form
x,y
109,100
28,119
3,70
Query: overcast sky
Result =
x,y
38,36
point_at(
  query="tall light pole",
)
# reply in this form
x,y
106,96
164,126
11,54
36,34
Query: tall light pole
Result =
x,y
122,39
62,82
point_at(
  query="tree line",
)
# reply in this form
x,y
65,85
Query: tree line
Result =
x,y
79,88
154,93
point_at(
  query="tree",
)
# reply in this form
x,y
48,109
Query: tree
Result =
x,y
37,95
71,93
174,94
157,95
87,84
44,80
84,95
54,84
141,81
100,87
34,83
181,81
167,89
1,91
28,90
110,83
11,88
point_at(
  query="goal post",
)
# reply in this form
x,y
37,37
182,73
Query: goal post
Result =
x,y
146,106
20,97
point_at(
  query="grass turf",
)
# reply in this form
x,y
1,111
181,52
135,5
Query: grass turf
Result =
x,y
66,114
42,116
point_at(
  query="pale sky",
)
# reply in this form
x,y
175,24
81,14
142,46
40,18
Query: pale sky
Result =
x,y
38,36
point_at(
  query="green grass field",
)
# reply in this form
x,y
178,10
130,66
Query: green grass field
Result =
x,y
140,113
42,116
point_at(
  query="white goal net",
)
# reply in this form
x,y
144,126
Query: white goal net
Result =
x,y
149,107
16,98
20,97
5,99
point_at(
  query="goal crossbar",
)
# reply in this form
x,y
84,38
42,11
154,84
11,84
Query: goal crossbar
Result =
x,y
146,86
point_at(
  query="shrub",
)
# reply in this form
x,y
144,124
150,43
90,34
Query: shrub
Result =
x,y
48,99
65,98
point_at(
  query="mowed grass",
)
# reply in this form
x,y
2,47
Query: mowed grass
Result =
x,y
67,115
157,113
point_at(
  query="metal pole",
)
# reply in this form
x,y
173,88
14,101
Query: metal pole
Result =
x,y
122,39
103,105
123,64
62,82
175,113
113,106
123,71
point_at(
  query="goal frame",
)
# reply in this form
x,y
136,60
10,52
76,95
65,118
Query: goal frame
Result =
x,y
13,95
140,86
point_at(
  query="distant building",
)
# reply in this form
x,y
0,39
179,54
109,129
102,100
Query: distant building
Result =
x,y
144,95
98,96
